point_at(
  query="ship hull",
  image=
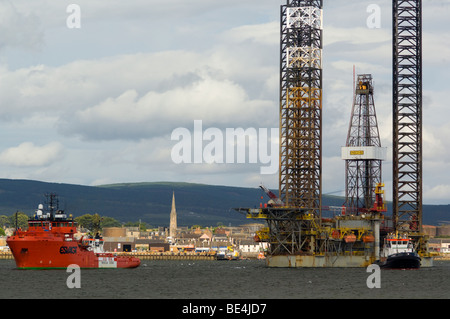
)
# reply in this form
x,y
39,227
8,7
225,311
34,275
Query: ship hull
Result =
x,y
45,253
401,261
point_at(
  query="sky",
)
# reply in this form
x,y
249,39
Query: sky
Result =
x,y
93,96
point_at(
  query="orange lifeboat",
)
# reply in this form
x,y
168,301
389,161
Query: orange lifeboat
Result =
x,y
351,238
368,238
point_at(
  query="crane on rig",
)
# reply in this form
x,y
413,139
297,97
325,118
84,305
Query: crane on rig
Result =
x,y
274,199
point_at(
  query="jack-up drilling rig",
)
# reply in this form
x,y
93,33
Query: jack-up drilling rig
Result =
x,y
297,233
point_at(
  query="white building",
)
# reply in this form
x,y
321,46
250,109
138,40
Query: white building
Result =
x,y
441,245
250,246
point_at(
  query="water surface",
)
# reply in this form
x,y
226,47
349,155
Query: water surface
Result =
x,y
243,279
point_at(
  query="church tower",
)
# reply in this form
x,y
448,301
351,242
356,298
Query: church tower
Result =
x,y
173,219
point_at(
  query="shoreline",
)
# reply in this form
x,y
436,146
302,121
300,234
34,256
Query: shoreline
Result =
x,y
182,256
152,256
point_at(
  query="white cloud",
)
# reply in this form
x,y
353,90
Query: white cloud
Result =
x,y
28,154
18,29
267,34
144,94
358,36
439,194
216,102
136,70
84,83
433,148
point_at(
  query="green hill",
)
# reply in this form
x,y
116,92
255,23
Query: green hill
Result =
x,y
151,202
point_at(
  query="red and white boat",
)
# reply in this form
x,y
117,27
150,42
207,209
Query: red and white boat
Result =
x,y
49,242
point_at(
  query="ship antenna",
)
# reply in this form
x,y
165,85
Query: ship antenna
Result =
x,y
52,200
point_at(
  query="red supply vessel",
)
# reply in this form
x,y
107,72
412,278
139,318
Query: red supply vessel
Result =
x,y
50,242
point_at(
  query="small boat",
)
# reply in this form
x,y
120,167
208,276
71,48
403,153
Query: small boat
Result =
x,y
227,255
221,255
398,253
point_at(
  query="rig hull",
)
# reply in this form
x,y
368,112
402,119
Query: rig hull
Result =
x,y
299,261
298,238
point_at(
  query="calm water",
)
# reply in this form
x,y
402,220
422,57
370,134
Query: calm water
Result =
x,y
243,279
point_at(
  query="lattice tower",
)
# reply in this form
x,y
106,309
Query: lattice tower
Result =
x,y
301,105
363,153
407,115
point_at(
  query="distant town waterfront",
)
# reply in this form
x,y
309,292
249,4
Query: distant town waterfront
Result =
x,y
199,243
195,243
182,242
169,243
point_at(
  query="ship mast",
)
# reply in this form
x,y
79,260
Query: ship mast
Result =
x,y
52,204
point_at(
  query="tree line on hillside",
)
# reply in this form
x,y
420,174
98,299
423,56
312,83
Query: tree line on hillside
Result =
x,y
93,223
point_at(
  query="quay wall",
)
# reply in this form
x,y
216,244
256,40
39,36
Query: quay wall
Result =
x,y
6,255
169,256
147,256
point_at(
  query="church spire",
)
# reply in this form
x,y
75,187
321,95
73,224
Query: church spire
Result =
x,y
173,219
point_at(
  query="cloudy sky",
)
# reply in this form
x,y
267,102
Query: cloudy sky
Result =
x,y
98,104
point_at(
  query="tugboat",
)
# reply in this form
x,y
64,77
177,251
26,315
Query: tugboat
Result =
x,y
398,253
50,242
